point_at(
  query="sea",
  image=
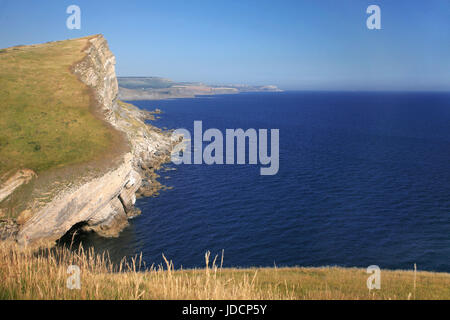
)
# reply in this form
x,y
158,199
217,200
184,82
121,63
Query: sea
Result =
x,y
364,179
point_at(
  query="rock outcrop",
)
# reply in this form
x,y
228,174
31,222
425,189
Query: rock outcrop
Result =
x,y
105,203
15,181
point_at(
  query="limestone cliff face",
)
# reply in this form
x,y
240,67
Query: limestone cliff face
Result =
x,y
104,204
97,70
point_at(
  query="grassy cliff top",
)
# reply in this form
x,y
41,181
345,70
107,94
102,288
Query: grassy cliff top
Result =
x,y
47,119
50,124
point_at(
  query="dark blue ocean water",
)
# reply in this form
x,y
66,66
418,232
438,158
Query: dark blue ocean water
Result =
x,y
364,179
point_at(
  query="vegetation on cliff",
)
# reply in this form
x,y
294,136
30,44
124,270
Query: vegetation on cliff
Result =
x,y
49,117
53,130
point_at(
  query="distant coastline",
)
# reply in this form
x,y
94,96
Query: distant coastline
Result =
x,y
156,88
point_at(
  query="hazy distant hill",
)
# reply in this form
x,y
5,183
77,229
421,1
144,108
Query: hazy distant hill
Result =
x,y
155,88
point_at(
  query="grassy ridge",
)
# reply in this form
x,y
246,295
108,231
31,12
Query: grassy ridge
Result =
x,y
28,275
46,112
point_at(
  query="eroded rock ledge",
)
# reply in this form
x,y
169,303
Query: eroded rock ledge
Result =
x,y
105,203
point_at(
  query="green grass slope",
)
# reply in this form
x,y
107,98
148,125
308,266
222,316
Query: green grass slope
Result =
x,y
46,119
50,122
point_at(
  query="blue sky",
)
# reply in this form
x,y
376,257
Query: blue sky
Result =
x,y
305,45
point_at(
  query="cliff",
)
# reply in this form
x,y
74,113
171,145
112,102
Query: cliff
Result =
x,y
102,201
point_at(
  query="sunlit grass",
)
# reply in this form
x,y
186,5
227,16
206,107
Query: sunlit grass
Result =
x,y
46,117
50,123
25,274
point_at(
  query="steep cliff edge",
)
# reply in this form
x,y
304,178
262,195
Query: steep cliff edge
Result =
x,y
101,202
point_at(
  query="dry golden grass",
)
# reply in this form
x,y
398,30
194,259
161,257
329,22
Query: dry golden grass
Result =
x,y
25,274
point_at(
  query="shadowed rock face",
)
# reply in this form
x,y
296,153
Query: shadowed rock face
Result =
x,y
103,204
90,203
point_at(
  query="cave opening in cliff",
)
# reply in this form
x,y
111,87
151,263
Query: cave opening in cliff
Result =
x,y
72,238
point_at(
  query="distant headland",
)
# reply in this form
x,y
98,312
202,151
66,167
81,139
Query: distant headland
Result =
x,y
156,88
